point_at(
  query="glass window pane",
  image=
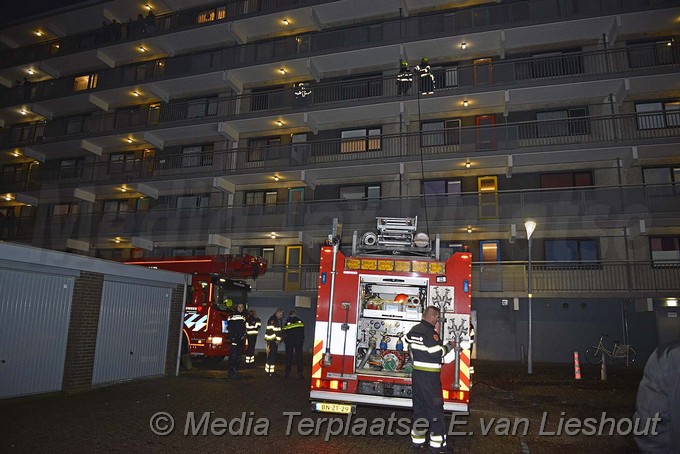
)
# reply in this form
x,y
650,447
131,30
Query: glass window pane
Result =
x,y
434,187
648,120
588,250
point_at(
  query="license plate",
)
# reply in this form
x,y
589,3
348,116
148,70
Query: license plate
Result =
x,y
334,408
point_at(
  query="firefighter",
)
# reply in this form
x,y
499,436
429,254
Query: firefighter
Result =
x,y
294,336
427,352
237,337
426,78
272,336
404,78
252,329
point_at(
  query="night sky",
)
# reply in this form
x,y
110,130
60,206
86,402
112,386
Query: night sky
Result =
x,y
14,10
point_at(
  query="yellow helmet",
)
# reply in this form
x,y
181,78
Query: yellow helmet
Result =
x,y
229,302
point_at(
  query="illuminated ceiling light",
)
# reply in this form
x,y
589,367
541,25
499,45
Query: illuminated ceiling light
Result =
x,y
135,93
273,235
282,71
463,45
669,43
23,112
56,46
466,103
123,189
31,72
15,154
276,178
129,140
467,164
279,122
142,49
672,302
285,22
147,6
38,33
469,229
117,240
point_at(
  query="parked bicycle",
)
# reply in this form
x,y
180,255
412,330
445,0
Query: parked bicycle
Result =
x,y
622,353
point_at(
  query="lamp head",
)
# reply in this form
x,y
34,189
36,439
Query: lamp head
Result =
x,y
530,226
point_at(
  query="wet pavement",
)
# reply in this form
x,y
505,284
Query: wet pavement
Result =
x,y
510,412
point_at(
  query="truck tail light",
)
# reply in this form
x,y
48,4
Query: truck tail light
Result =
x,y
217,340
335,385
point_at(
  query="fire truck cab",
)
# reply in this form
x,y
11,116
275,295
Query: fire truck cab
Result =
x,y
216,288
369,299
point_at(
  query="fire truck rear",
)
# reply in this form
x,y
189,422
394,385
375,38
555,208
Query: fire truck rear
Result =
x,y
216,288
368,301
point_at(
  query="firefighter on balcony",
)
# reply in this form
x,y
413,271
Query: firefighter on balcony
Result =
x,y
294,336
272,336
425,77
237,337
404,78
253,325
427,351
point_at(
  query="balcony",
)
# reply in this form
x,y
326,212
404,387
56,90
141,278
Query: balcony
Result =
x,y
635,279
322,47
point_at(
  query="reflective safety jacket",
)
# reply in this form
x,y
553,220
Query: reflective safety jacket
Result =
x,y
253,326
237,326
294,330
273,331
427,349
405,75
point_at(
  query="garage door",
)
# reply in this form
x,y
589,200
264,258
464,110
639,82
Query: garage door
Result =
x,y
133,332
34,312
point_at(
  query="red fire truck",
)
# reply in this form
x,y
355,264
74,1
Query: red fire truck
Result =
x,y
369,299
216,287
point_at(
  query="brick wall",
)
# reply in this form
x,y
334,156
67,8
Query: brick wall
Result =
x,y
82,331
174,327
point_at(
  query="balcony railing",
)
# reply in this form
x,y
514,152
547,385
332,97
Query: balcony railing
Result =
x,y
579,208
520,13
454,143
370,89
549,279
155,26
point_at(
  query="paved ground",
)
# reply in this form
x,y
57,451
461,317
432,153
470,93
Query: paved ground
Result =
x,y
117,418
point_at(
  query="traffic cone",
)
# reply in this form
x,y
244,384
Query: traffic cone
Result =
x,y
577,367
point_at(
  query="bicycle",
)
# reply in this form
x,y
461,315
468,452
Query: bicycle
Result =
x,y
622,353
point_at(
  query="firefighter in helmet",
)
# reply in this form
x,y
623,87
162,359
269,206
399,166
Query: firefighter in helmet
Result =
x,y
294,336
237,337
272,336
427,351
425,77
404,78
253,325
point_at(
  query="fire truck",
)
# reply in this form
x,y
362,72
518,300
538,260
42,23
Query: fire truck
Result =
x,y
217,286
368,300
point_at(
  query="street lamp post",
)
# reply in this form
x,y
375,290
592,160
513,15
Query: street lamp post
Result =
x,y
530,226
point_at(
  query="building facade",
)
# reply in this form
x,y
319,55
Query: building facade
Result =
x,y
249,126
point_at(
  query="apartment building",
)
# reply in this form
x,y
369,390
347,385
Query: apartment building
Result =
x,y
200,127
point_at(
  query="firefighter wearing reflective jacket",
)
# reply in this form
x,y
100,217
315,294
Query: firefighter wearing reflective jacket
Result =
x,y
294,336
272,336
425,76
237,337
427,352
404,78
253,325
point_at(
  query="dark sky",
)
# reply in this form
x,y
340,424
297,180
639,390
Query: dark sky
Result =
x,y
15,10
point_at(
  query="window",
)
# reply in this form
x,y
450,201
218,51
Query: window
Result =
x,y
71,168
201,108
652,53
254,198
187,252
655,115
359,192
446,77
64,209
440,133
12,173
264,148
665,249
554,64
211,15
193,201
266,253
198,155
558,123
85,82
664,180
441,187
566,180
359,140
575,250
115,209
121,162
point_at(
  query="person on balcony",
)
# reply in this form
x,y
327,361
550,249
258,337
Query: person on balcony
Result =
x,y
404,78
426,77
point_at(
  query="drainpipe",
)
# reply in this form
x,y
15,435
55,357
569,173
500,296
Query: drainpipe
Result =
x,y
327,355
